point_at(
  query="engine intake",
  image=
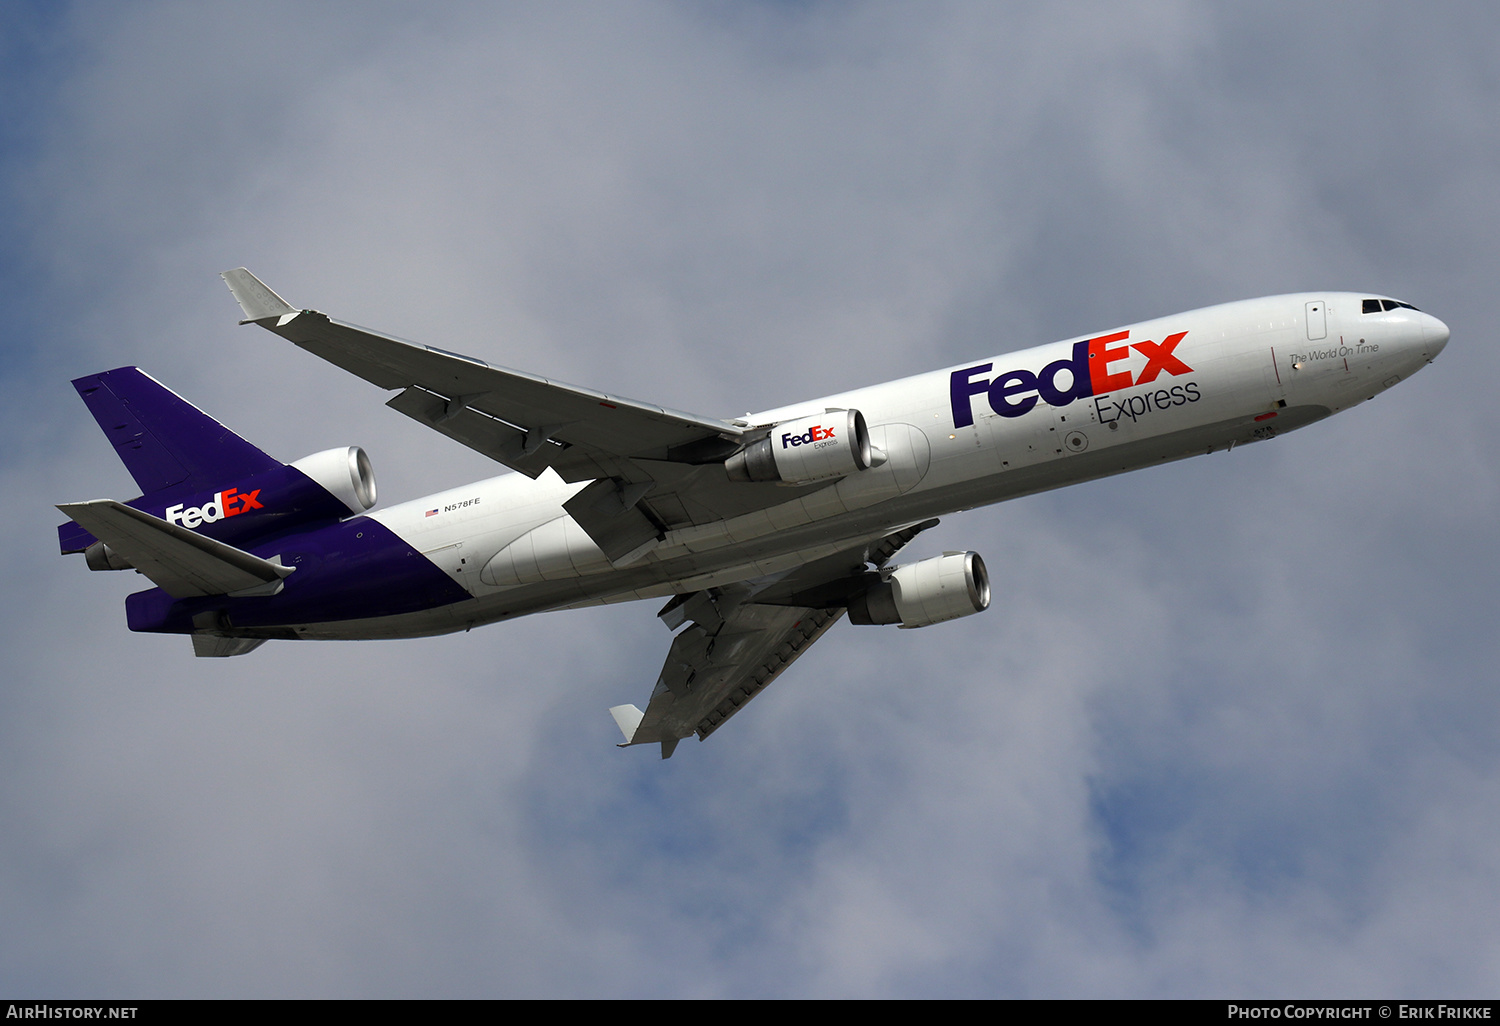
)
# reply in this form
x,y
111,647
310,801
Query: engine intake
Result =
x,y
927,592
832,444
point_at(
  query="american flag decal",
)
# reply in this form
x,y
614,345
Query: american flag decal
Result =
x,y
432,513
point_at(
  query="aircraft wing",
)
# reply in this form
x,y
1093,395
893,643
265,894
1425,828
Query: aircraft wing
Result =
x,y
742,638
653,468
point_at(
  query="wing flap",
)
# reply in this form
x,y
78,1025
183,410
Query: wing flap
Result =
x,y
529,452
178,561
772,657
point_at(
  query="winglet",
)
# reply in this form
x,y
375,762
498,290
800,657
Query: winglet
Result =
x,y
255,297
628,719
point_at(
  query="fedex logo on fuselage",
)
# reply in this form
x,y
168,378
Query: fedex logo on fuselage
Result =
x,y
230,503
1085,373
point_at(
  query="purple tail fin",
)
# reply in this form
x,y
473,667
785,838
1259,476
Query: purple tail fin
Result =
x,y
164,440
198,475
171,448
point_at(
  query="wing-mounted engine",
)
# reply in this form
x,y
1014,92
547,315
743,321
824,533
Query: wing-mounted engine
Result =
x,y
927,592
345,473
833,444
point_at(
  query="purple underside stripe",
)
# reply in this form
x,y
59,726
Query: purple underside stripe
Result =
x,y
350,571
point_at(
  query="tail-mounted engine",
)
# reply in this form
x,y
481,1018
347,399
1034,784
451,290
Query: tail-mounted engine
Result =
x,y
345,473
832,444
920,594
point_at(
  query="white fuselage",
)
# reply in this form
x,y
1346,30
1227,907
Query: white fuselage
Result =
x,y
952,439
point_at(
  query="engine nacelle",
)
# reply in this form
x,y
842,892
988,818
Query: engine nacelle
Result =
x,y
927,592
345,473
819,448
100,556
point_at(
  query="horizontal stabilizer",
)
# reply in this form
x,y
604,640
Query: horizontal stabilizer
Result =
x,y
255,297
178,561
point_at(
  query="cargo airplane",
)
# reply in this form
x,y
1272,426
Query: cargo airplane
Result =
x,y
760,531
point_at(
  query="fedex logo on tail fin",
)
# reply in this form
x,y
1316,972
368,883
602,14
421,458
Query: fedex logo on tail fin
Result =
x,y
230,503
1085,373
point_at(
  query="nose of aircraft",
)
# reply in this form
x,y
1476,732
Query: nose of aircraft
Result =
x,y
1434,335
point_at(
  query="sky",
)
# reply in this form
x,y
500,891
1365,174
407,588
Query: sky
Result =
x,y
1229,727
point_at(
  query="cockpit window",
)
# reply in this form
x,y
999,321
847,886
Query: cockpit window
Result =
x,y
1377,305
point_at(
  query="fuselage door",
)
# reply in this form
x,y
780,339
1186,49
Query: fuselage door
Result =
x,y
1317,320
